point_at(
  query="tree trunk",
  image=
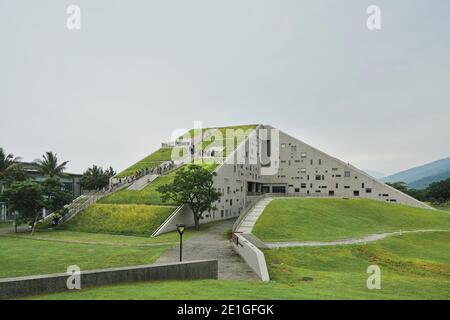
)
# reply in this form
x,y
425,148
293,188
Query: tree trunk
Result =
x,y
34,223
197,223
15,226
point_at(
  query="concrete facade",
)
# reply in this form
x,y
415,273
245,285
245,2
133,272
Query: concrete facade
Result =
x,y
306,171
302,171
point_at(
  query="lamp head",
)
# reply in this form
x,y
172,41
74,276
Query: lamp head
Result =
x,y
181,228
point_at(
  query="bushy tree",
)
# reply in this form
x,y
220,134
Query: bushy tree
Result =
x,y
436,192
439,191
95,178
192,187
399,185
25,198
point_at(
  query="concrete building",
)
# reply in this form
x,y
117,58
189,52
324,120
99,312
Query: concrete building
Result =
x,y
70,181
269,160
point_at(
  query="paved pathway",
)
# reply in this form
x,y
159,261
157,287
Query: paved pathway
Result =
x,y
212,244
368,238
246,226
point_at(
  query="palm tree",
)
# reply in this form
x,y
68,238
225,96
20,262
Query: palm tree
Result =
x,y
96,178
8,164
49,165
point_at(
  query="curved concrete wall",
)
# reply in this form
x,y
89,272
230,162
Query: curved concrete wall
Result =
x,y
251,255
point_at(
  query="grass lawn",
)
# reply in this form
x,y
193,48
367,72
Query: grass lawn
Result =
x,y
100,238
443,206
413,266
120,218
332,219
64,235
22,257
5,224
54,250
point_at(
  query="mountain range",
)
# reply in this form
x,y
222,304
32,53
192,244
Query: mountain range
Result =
x,y
422,176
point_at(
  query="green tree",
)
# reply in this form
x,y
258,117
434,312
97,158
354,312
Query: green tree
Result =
x,y
95,178
49,165
25,198
439,191
110,172
55,195
192,187
399,185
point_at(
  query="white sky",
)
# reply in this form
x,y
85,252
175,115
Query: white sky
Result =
x,y
137,70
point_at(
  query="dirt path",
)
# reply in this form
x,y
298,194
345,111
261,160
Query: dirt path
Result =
x,y
368,238
213,244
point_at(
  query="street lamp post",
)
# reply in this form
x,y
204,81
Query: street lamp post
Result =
x,y
180,229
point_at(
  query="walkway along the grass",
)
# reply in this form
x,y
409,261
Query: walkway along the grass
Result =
x,y
368,238
213,244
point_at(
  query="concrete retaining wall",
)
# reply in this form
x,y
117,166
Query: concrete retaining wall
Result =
x,y
33,285
182,215
251,255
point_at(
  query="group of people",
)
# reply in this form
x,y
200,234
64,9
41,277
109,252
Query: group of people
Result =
x,y
159,170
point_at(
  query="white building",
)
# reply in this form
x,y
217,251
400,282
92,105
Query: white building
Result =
x,y
269,160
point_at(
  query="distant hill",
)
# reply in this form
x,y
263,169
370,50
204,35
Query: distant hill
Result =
x,y
425,182
420,177
375,174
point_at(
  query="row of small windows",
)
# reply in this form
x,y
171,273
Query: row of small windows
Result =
x,y
304,186
318,177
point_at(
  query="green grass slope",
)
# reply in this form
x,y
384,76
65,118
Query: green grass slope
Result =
x,y
151,161
332,219
413,266
149,195
120,218
23,257
129,211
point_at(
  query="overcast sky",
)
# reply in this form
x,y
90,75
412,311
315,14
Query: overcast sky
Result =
x,y
108,94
